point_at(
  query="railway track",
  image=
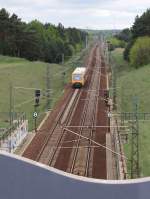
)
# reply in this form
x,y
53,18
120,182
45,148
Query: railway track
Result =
x,y
76,154
99,155
55,138
63,145
35,147
83,153
42,135
67,146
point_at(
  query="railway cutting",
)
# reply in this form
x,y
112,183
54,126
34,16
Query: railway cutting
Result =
x,y
75,135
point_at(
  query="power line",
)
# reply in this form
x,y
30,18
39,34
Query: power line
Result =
x,y
25,102
98,144
26,88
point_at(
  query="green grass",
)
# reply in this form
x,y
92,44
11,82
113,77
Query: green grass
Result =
x,y
118,62
23,73
134,82
145,148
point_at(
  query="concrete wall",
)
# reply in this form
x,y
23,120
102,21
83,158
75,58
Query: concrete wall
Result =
x,y
11,142
24,179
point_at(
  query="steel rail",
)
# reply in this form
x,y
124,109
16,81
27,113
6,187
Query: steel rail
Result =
x,y
53,127
86,118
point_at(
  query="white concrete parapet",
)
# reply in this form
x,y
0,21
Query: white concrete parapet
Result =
x,y
14,139
25,179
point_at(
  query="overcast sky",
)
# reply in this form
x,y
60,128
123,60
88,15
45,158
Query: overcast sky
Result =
x,y
92,14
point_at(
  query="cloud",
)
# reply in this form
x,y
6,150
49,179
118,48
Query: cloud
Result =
x,y
80,13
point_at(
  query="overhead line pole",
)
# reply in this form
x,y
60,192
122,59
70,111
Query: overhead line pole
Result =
x,y
135,171
48,87
11,108
10,103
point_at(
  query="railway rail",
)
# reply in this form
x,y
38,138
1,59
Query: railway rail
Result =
x,y
82,155
56,145
54,140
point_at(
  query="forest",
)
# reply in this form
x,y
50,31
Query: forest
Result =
x,y
38,41
136,41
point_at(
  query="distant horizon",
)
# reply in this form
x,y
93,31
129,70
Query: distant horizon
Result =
x,y
86,29
63,24
89,14
44,22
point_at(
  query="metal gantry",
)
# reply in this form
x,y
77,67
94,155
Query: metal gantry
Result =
x,y
134,118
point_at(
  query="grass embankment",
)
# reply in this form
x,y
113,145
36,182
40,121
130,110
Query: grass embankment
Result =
x,y
134,82
26,74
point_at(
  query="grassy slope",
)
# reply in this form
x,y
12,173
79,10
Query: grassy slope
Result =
x,y
23,73
131,83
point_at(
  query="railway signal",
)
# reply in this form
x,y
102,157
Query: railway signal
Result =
x,y
37,100
37,97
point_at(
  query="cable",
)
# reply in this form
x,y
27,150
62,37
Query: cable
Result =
x,y
24,103
100,145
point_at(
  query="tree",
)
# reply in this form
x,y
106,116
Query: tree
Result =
x,y
140,28
124,35
37,41
127,50
140,52
16,35
4,31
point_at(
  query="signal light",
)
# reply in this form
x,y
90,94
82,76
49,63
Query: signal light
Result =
x,y
37,97
37,93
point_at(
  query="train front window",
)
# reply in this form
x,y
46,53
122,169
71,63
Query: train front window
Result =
x,y
76,77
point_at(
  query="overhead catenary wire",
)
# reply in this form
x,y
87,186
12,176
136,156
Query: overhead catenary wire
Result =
x,y
29,88
100,145
25,102
94,126
74,147
70,68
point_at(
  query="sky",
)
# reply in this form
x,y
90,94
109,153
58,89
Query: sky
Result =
x,y
86,14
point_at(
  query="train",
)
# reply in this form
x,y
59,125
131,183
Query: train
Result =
x,y
79,77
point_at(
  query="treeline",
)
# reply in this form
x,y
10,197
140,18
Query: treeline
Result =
x,y
37,41
137,38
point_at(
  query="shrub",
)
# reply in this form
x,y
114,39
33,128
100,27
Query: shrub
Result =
x,y
127,50
116,43
140,52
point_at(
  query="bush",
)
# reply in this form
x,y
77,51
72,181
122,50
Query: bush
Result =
x,y
140,52
116,43
140,28
127,50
